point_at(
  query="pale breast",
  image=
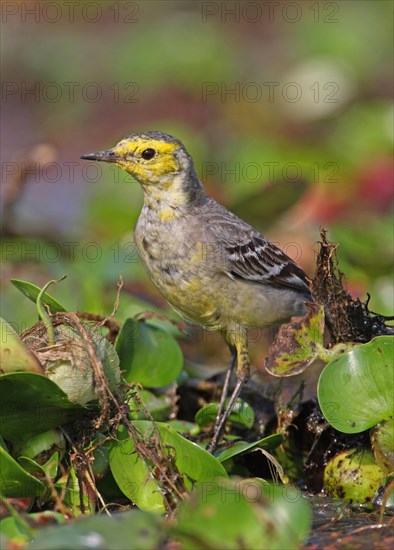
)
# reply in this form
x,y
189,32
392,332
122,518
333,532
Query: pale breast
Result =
x,y
173,256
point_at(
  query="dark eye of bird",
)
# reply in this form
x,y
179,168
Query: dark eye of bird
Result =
x,y
148,154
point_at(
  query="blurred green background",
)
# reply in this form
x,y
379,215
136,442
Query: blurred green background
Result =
x,y
285,107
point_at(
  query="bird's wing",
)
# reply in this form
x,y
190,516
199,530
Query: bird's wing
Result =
x,y
248,255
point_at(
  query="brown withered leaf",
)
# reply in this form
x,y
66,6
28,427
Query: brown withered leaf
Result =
x,y
296,344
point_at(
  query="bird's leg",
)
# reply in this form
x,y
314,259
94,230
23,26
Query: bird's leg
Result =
x,y
239,353
229,373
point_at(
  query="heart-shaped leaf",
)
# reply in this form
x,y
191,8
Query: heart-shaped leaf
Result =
x,y
129,529
355,390
148,354
32,404
243,514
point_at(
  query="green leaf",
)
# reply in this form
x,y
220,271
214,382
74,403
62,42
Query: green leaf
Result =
x,y
184,427
297,344
17,532
242,447
134,477
41,446
158,407
242,414
32,404
31,466
32,291
148,354
244,514
132,529
355,391
14,355
12,533
49,469
15,481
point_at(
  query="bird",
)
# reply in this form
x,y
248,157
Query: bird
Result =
x,y
211,266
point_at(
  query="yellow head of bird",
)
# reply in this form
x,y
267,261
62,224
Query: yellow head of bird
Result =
x,y
152,158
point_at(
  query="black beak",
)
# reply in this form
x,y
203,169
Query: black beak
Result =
x,y
105,156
